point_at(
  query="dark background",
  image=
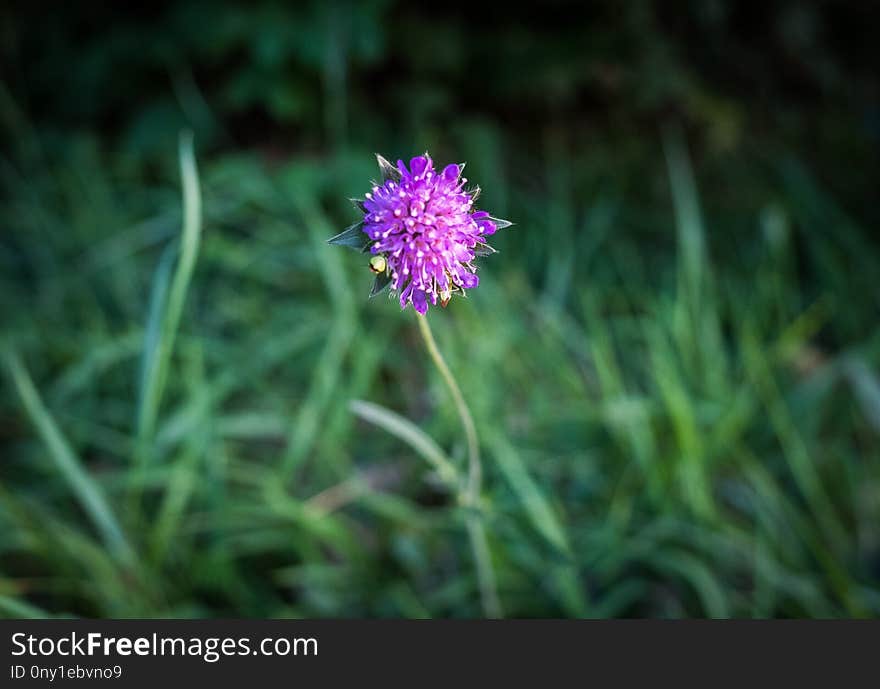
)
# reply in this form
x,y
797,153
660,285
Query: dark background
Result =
x,y
672,362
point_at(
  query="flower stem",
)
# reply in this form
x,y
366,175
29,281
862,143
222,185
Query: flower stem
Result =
x,y
469,494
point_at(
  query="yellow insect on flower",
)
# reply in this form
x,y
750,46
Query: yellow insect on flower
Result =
x,y
378,264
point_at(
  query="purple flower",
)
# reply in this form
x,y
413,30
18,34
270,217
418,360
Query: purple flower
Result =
x,y
424,225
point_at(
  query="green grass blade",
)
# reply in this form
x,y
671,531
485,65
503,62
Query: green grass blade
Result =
x,y
151,344
409,433
688,219
83,486
305,428
157,354
544,519
696,319
694,571
11,607
536,505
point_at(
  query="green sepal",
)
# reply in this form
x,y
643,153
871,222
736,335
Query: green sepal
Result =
x,y
353,237
380,283
500,223
388,170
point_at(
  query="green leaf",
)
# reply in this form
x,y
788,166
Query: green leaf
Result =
x,y
380,283
352,237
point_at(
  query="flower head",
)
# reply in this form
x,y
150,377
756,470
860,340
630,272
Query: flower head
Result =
x,y
423,224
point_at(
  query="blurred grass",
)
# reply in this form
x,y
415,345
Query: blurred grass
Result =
x,y
663,444
672,365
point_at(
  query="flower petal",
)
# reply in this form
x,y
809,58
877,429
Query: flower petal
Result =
x,y
486,226
419,302
404,295
451,172
418,165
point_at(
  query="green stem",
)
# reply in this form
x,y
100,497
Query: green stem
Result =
x,y
485,574
469,494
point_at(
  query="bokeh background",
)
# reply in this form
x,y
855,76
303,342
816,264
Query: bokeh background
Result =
x,y
673,360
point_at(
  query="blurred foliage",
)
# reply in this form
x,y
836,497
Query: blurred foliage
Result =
x,y
672,362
